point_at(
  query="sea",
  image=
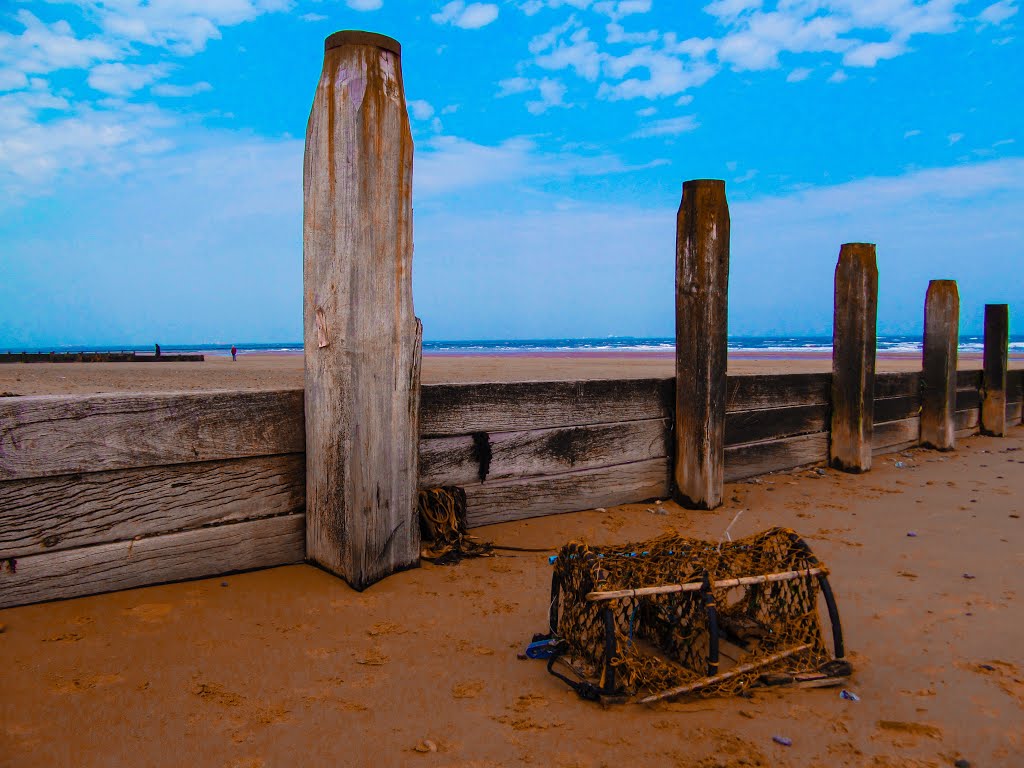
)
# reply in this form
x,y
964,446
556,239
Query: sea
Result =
x,y
772,344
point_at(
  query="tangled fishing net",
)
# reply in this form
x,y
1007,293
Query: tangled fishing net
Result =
x,y
678,615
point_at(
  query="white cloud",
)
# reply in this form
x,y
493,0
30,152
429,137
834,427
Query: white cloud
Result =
x,y
420,109
180,91
798,75
911,133
471,16
954,138
617,9
313,17
580,53
672,126
997,13
364,5
646,112
838,77
869,54
43,48
667,75
119,79
551,92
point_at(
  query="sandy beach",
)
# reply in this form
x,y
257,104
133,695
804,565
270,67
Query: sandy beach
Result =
x,y
284,371
289,666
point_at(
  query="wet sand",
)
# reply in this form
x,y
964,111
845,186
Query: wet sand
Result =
x,y
269,371
289,666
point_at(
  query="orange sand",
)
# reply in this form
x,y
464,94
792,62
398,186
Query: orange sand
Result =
x,y
290,667
285,371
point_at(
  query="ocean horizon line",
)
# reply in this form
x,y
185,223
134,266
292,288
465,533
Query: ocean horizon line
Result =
x,y
893,343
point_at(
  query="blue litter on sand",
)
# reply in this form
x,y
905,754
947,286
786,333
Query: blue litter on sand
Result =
x,y
783,741
541,649
849,695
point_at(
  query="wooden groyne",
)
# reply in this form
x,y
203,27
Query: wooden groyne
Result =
x,y
96,357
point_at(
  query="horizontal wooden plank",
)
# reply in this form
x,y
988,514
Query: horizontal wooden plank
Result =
x,y
897,408
907,384
742,461
521,498
460,409
172,557
968,379
777,390
966,421
892,436
967,399
773,423
1013,413
56,513
452,461
58,435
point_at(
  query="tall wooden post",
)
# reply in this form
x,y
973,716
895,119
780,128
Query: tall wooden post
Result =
x,y
941,338
362,340
997,342
702,303
853,357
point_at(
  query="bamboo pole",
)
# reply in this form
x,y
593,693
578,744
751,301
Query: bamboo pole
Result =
x,y
696,586
734,672
702,302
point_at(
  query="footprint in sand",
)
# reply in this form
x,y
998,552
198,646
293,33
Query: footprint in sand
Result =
x,y
87,683
151,613
468,690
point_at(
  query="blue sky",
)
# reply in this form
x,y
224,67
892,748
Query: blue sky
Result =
x,y
151,160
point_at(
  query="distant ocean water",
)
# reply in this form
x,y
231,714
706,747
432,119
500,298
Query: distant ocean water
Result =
x,y
490,347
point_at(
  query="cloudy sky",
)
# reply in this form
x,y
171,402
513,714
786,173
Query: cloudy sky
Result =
x,y
151,160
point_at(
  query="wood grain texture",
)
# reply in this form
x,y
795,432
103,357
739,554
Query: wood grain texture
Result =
x,y
853,357
453,461
939,355
896,408
521,498
902,384
969,379
967,422
173,557
361,335
773,423
743,461
893,436
461,409
994,374
64,434
967,399
56,513
702,304
777,390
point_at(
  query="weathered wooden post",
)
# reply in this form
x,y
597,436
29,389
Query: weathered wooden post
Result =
x,y
938,381
997,343
853,357
362,340
702,303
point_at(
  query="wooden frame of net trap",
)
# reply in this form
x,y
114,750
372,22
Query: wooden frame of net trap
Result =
x,y
650,643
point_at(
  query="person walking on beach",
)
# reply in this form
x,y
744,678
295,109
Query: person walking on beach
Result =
x,y
157,349
234,352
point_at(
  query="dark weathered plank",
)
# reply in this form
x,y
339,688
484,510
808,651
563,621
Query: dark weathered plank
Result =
x,y
967,422
1013,412
536,496
967,399
938,379
904,384
969,379
460,409
773,423
777,390
853,357
993,389
454,460
892,436
702,308
173,557
55,513
742,461
63,434
895,408
362,345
